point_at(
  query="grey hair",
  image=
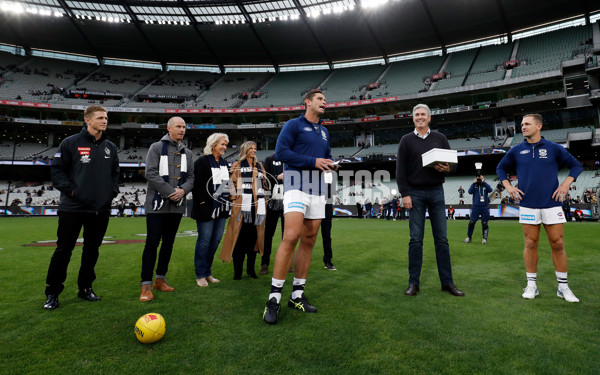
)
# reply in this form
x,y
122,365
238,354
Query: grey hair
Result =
x,y
212,140
424,106
172,121
244,149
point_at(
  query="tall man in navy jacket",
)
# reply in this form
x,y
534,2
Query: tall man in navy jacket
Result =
x,y
421,189
86,171
303,147
537,162
480,190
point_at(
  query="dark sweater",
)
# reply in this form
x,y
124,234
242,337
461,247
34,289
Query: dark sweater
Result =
x,y
410,173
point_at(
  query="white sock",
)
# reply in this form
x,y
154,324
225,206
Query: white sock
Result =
x,y
531,279
276,286
298,288
561,277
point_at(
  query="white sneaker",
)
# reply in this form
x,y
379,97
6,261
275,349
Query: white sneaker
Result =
x,y
530,292
567,295
484,241
468,240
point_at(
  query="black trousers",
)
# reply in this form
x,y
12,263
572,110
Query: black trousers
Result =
x,y
159,227
270,227
326,233
69,226
245,246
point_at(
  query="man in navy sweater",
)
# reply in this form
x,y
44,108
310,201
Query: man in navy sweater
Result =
x,y
303,147
537,162
421,189
480,190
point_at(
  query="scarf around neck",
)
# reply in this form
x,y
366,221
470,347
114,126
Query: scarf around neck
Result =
x,y
220,182
247,195
163,169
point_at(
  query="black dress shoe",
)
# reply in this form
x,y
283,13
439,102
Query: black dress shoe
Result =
x,y
88,295
412,290
450,288
51,302
252,275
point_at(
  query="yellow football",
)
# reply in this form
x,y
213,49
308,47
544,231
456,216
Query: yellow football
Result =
x,y
150,328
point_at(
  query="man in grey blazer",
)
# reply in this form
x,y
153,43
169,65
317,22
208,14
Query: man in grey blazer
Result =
x,y
170,176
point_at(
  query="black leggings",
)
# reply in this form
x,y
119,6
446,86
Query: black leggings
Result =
x,y
245,246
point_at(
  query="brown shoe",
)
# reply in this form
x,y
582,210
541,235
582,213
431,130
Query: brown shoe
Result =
x,y
264,269
146,294
162,285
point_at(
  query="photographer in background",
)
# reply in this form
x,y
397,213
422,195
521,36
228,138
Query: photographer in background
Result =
x,y
480,191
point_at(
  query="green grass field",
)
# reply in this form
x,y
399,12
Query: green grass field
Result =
x,y
365,325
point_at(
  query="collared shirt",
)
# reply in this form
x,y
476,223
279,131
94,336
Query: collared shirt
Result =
x,y
419,134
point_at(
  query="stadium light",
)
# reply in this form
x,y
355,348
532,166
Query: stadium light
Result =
x,y
8,6
372,3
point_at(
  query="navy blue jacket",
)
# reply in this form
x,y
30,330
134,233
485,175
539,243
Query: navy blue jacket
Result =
x,y
480,191
299,145
537,170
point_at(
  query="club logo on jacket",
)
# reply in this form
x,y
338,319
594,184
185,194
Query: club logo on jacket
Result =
x,y
107,151
543,153
85,159
323,135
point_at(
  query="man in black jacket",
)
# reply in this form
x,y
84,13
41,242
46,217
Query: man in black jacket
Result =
x,y
421,189
86,171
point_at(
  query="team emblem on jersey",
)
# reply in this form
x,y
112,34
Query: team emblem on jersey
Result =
x,y
323,135
85,159
523,152
107,151
543,153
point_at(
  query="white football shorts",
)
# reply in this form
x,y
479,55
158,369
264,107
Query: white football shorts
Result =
x,y
312,206
536,216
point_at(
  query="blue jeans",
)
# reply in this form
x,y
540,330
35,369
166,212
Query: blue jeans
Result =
x,y
432,201
209,235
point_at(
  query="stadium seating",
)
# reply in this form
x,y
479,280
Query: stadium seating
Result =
x,y
554,135
8,61
457,69
41,79
488,65
472,143
287,88
338,152
545,52
347,82
407,77
118,79
133,155
181,83
226,92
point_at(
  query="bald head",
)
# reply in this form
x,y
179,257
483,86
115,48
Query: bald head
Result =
x,y
176,128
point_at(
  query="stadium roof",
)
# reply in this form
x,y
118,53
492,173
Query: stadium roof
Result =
x,y
269,33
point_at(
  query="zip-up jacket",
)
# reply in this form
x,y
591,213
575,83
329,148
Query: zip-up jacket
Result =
x,y
484,190
299,144
537,170
86,172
